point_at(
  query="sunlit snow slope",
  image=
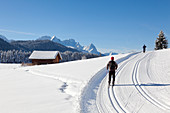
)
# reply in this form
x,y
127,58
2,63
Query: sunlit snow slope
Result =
x,y
54,88
142,86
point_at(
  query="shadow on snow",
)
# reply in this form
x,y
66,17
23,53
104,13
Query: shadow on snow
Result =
x,y
148,84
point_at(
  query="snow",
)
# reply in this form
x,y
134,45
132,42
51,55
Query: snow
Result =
x,y
142,85
44,55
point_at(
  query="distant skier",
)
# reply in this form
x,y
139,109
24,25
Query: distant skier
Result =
x,y
144,48
112,66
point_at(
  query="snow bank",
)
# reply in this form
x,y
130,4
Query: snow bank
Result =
x,y
46,88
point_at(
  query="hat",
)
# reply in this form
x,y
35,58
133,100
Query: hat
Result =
x,y
112,58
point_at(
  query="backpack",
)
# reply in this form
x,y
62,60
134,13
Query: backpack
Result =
x,y
112,65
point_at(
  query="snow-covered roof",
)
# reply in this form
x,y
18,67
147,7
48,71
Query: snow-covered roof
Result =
x,y
44,55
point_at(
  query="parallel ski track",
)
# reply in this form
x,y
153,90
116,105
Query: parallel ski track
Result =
x,y
99,79
141,90
101,105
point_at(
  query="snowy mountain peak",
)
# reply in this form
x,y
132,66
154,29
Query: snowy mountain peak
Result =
x,y
72,40
88,48
72,43
44,38
55,39
92,46
91,49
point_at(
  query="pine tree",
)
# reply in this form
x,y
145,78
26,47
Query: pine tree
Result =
x,y
161,42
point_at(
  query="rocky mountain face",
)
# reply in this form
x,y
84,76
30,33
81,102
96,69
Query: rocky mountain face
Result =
x,y
72,43
91,49
55,39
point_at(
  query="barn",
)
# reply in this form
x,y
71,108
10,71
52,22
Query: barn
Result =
x,y
45,57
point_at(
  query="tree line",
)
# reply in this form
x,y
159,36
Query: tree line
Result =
x,y
14,56
19,56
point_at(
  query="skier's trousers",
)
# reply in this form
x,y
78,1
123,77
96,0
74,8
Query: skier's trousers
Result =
x,y
111,73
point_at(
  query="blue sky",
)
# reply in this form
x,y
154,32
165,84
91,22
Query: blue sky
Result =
x,y
117,25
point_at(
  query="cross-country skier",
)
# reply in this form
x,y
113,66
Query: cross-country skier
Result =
x,y
144,48
112,66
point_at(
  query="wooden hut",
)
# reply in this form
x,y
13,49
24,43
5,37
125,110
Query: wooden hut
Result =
x,y
45,57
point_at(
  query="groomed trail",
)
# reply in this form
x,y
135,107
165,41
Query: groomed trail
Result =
x,y
142,86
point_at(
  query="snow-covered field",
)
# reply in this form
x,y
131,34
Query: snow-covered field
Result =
x,y
142,85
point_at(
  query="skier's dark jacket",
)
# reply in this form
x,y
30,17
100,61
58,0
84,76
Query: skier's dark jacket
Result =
x,y
112,65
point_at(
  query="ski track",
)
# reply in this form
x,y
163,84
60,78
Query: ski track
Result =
x,y
116,104
141,90
118,107
113,104
106,99
98,82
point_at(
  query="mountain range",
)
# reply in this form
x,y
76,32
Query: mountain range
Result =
x,y
71,43
31,45
48,43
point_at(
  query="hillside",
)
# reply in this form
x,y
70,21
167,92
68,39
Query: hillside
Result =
x,y
4,38
6,46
